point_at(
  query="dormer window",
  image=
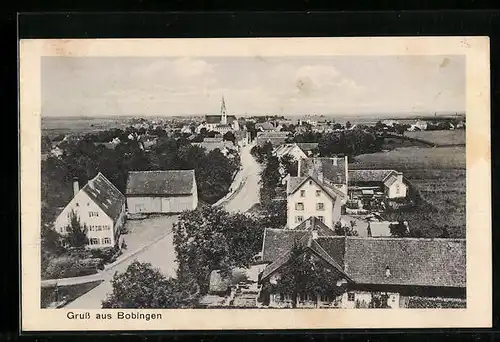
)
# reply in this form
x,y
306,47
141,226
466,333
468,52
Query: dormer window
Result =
x,y
387,272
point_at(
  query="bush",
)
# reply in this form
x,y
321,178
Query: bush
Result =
x,y
69,267
107,255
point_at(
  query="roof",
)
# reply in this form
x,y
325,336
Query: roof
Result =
x,y
313,223
356,176
161,183
285,149
307,146
331,169
210,146
412,261
275,141
215,119
105,195
294,183
264,125
279,241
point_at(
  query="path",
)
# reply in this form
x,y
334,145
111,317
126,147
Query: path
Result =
x,y
159,253
247,194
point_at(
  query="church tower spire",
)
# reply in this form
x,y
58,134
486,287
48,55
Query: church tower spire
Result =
x,y
223,112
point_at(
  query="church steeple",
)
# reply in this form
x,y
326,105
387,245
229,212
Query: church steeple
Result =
x,y
223,112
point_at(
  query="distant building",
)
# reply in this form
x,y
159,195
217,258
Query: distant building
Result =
x,y
100,206
221,123
296,150
367,272
419,125
171,191
265,126
390,183
275,138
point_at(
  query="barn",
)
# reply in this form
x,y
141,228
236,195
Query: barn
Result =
x,y
169,192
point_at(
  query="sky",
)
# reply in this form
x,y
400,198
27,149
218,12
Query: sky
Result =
x,y
161,86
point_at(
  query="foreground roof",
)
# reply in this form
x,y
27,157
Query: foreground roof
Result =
x,y
160,183
411,261
105,195
369,175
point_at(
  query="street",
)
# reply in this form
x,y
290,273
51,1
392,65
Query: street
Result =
x,y
158,250
159,253
248,193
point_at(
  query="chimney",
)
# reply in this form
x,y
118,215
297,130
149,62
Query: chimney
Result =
x,y
335,161
298,167
76,188
387,272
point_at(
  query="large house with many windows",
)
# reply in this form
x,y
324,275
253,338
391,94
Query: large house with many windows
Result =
x,y
100,207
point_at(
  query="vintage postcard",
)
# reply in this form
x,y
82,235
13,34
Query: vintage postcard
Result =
x,y
201,184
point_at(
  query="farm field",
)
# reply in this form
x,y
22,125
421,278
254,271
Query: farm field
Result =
x,y
393,142
440,138
54,126
439,176
407,158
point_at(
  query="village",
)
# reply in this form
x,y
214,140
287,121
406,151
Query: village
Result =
x,y
294,222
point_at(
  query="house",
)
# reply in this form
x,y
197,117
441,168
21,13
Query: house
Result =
x,y
56,152
225,147
296,150
307,197
265,126
419,125
289,149
100,206
221,123
171,191
389,183
275,138
333,172
367,272
390,123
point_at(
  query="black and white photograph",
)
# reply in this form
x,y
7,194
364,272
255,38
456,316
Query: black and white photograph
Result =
x,y
253,181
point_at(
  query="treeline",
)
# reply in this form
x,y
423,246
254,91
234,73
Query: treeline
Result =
x,y
84,159
350,143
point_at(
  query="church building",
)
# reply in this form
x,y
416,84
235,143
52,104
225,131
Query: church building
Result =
x,y
221,123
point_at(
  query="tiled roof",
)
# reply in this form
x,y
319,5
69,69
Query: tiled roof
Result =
x,y
215,119
331,171
356,176
272,134
313,223
294,183
160,183
411,261
424,262
279,241
307,146
105,195
275,141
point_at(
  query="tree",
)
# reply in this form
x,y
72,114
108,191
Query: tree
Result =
x,y
341,230
229,136
211,238
290,165
143,287
77,234
399,229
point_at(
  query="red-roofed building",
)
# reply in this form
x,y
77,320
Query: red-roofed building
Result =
x,y
100,206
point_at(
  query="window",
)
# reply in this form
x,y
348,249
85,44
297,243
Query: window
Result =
x,y
106,241
310,182
350,297
299,219
299,206
324,298
93,214
106,227
91,228
318,193
302,193
321,218
397,188
98,228
77,204
94,241
320,206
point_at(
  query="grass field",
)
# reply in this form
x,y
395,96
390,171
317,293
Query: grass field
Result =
x,y
440,138
53,126
439,176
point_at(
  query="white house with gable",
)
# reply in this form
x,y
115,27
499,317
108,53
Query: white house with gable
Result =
x,y
100,206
